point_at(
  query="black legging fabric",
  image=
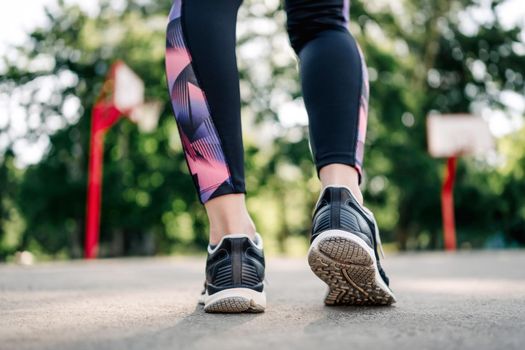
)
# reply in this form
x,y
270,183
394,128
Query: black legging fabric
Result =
x,y
203,82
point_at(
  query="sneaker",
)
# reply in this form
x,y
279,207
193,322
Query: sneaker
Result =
x,y
344,250
235,276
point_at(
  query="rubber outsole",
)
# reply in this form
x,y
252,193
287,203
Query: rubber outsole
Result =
x,y
235,300
234,305
348,266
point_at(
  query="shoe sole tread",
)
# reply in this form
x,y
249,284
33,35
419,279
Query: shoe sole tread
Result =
x,y
349,271
234,305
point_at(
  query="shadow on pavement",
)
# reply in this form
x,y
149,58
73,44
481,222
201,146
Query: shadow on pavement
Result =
x,y
198,325
337,317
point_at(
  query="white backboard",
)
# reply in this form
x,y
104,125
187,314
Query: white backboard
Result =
x,y
129,88
146,115
457,134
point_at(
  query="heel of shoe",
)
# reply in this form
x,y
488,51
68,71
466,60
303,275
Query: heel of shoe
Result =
x,y
349,268
236,300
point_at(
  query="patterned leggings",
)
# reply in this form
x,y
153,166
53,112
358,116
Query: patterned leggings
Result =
x,y
203,82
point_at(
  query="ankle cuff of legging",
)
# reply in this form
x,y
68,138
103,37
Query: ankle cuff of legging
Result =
x,y
223,190
339,159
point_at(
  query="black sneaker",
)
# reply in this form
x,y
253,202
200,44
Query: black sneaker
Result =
x,y
344,250
235,276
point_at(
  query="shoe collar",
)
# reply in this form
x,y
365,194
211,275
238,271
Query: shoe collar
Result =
x,y
336,186
258,242
365,209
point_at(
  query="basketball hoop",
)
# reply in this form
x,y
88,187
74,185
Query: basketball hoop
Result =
x,y
122,94
456,135
146,115
129,88
452,136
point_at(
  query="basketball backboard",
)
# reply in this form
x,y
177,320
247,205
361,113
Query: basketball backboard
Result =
x,y
129,88
146,115
450,135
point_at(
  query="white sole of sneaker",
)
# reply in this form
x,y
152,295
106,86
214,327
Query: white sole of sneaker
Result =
x,y
234,300
349,267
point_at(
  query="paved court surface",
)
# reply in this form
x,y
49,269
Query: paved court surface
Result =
x,y
445,301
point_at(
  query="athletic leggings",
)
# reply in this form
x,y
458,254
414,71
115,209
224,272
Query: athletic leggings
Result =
x,y
203,82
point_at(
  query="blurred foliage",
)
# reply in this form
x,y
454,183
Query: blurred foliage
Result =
x,y
420,61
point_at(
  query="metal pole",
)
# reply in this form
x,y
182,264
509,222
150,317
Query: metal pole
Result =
x,y
96,152
447,205
102,118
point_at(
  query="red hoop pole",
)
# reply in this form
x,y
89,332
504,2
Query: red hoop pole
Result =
x,y
447,205
104,114
103,117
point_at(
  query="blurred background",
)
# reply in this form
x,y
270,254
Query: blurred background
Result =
x,y
424,56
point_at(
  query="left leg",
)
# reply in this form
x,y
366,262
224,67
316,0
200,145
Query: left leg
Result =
x,y
203,82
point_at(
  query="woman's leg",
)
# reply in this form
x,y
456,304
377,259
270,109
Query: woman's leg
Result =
x,y
335,88
204,87
345,243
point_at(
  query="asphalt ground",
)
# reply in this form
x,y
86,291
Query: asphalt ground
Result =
x,y
468,300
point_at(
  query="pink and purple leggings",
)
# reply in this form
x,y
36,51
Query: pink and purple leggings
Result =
x,y
203,83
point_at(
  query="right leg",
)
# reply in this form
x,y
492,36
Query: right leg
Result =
x,y
335,88
345,240
203,83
